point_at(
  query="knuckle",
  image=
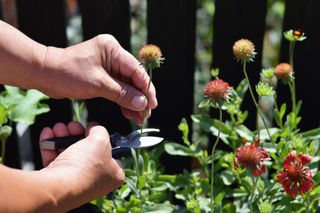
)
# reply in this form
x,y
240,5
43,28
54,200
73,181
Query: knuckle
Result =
x,y
122,99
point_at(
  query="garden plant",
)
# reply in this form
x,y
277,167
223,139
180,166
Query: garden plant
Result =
x,y
273,168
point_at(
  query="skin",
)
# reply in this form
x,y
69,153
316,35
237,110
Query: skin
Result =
x,y
99,67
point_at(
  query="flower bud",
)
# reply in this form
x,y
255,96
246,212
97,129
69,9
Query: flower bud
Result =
x,y
284,71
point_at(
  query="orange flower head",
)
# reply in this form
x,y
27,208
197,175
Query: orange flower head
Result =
x,y
151,56
296,177
284,71
251,157
217,91
244,50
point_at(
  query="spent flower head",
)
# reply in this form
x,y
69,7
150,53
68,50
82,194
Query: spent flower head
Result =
x,y
294,35
244,50
151,56
264,89
284,72
295,176
217,91
251,157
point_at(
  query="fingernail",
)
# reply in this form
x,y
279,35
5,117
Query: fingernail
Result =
x,y
139,102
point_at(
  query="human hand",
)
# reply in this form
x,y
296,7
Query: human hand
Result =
x,y
85,170
99,67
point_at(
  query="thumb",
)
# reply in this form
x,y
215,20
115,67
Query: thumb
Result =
x,y
127,96
96,133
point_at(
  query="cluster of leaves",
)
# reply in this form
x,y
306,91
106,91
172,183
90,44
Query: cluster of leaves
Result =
x,y
17,105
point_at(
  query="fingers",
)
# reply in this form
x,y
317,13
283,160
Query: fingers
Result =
x,y
137,117
128,66
97,133
59,130
47,155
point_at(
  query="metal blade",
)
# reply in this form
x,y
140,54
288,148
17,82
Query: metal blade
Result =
x,y
141,142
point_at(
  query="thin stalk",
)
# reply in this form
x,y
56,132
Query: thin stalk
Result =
x,y
308,203
293,95
255,102
254,186
76,110
212,157
142,126
292,83
3,151
277,108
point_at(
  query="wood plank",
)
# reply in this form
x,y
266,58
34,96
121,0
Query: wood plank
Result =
x,y
171,26
233,20
111,17
304,15
44,21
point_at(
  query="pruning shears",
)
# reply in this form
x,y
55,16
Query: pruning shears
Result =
x,y
121,144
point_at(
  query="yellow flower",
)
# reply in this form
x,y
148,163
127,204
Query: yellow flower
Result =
x,y
151,56
244,50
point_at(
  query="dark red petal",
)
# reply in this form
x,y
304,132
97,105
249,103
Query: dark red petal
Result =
x,y
291,158
281,176
293,192
257,171
257,142
304,159
305,186
244,141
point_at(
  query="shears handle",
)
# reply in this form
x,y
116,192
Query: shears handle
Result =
x,y
64,142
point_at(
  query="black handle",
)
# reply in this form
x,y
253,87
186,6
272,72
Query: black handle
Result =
x,y
64,142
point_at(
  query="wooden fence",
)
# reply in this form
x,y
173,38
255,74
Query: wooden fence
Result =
x,y
171,24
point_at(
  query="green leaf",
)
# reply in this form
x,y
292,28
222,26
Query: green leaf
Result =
x,y
26,104
229,208
215,72
142,181
227,177
204,104
283,109
184,128
178,149
5,132
3,115
244,132
165,207
242,88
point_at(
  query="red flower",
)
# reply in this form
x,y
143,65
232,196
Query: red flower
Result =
x,y
283,71
251,157
217,91
295,177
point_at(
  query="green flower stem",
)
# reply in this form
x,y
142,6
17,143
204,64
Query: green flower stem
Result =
x,y
142,126
212,157
292,83
255,102
293,95
254,186
76,109
277,108
3,151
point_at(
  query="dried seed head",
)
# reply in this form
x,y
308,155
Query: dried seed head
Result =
x,y
151,56
244,50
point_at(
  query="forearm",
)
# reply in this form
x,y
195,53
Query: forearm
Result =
x,y
22,59
35,191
